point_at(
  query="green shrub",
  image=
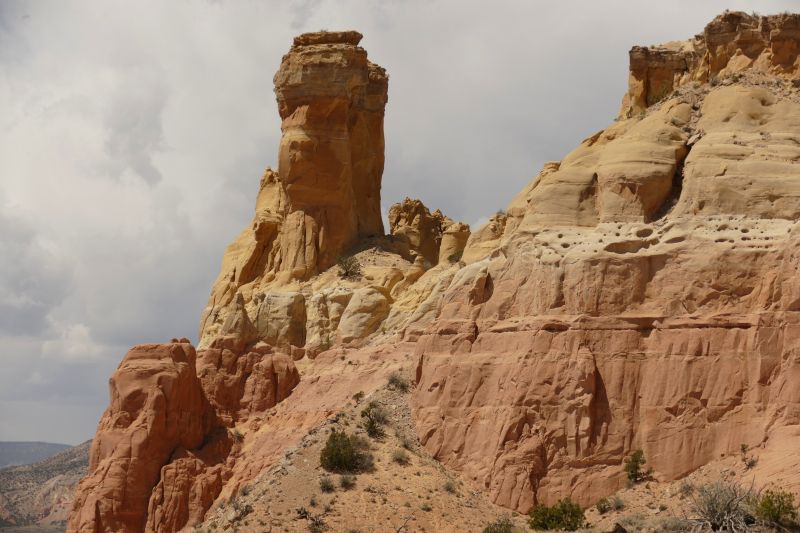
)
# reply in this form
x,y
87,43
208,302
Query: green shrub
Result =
x,y
343,453
565,515
714,81
603,505
455,257
398,382
749,462
349,267
358,396
347,481
634,467
501,525
776,506
326,484
450,486
374,417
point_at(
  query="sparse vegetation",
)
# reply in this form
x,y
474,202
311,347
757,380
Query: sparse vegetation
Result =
x,y
326,484
401,457
450,486
398,382
722,504
714,81
603,505
374,417
347,481
617,503
566,515
358,396
349,266
237,435
455,257
327,345
749,462
503,524
634,467
343,453
501,211
735,78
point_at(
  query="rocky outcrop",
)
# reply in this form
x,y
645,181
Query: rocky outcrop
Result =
x,y
326,193
412,221
157,405
331,100
731,43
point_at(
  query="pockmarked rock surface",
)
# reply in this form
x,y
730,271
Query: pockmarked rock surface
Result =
x,y
643,292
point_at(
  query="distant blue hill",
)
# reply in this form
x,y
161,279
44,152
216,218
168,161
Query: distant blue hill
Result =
x,y
23,453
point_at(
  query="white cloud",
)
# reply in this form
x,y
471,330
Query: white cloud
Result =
x,y
134,133
75,345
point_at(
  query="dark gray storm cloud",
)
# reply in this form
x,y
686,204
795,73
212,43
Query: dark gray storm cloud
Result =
x,y
134,133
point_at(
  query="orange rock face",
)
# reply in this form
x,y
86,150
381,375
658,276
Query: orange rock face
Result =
x,y
157,405
732,42
331,100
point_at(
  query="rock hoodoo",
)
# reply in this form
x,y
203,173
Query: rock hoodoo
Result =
x,y
664,245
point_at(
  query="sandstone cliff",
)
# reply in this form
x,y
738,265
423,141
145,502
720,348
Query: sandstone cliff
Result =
x,y
643,292
732,42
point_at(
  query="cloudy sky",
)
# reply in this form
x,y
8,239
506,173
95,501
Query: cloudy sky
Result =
x,y
133,135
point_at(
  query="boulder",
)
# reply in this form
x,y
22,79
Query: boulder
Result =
x,y
363,315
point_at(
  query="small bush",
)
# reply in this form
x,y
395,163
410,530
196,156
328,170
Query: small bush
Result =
x,y
685,489
343,453
669,524
347,481
398,382
617,503
714,81
749,462
632,523
662,507
501,211
406,442
450,486
349,267
313,501
721,505
401,457
776,507
603,505
326,484
735,78
237,435
244,491
373,429
426,507
633,467
565,515
374,417
455,257
358,396
501,525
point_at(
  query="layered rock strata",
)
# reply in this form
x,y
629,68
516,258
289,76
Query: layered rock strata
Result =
x,y
733,42
643,292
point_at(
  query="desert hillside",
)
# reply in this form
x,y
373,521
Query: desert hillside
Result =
x,y
642,293
41,493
